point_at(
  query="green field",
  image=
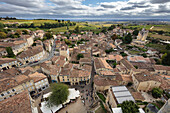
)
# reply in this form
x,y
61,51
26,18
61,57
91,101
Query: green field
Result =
x,y
156,27
159,47
36,22
160,36
163,28
91,26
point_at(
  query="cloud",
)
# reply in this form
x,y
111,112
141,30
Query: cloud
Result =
x,y
127,8
76,8
162,9
25,3
107,6
141,6
159,1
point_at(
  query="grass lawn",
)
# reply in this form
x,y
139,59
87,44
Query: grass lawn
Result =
x,y
134,52
101,96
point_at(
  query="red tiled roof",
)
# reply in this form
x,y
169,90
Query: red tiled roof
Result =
x,y
19,103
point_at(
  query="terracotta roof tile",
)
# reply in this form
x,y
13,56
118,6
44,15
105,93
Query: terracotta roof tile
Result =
x,y
19,103
137,96
161,67
103,81
7,83
37,76
31,52
145,76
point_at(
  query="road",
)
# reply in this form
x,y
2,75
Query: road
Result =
x,y
51,54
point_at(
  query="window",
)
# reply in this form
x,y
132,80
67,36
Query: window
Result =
x,y
13,90
10,95
67,79
15,93
63,80
4,98
8,92
2,94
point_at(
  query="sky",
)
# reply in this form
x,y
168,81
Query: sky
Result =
x,y
34,9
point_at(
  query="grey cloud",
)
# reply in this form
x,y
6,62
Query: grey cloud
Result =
x,y
69,8
162,9
100,9
107,6
139,3
159,1
127,8
141,6
23,3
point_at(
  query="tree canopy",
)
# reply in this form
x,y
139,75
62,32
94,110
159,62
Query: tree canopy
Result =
x,y
135,32
3,35
77,29
59,94
156,92
48,35
166,59
111,27
127,39
10,52
129,107
25,32
1,25
80,56
168,47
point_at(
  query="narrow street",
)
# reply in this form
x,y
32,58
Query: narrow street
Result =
x,y
51,54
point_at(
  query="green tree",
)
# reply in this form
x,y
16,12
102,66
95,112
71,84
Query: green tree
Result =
x,y
135,32
77,29
48,35
1,25
25,32
127,39
67,42
166,59
104,29
3,35
80,56
156,92
129,107
144,55
59,94
10,52
111,27
168,47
